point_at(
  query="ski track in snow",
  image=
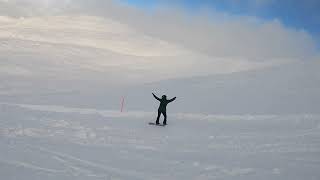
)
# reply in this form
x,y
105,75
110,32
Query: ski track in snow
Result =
x,y
54,142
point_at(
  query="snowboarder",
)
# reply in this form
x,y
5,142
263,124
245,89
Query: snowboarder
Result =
x,y
163,107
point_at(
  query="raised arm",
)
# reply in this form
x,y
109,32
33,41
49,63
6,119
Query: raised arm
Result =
x,y
170,100
156,97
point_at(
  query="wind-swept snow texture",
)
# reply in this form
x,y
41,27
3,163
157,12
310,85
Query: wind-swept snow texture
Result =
x,y
40,142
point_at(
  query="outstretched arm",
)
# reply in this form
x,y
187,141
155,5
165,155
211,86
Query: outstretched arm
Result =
x,y
156,97
170,100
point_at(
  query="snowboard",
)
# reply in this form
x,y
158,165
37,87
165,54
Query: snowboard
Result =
x,y
152,123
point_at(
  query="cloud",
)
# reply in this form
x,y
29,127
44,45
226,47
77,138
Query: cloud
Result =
x,y
165,43
74,45
212,33
82,52
215,34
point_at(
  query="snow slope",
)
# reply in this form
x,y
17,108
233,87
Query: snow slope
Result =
x,y
56,142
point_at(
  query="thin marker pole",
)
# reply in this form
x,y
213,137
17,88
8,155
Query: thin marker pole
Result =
x,y
122,104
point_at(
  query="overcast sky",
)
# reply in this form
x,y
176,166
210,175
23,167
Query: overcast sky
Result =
x,y
159,39
293,13
210,54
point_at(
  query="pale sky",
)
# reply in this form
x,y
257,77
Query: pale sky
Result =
x,y
215,61
167,42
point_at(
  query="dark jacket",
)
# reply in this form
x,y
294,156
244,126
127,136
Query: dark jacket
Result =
x,y
163,103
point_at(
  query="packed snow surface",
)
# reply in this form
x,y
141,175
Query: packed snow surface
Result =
x,y
40,142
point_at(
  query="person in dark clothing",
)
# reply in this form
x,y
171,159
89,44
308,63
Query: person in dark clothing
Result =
x,y
163,107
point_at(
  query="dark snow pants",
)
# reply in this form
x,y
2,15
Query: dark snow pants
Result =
x,y
164,115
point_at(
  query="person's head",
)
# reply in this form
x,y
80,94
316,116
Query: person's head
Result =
x,y
164,97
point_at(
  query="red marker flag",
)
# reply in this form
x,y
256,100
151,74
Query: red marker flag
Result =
x,y
122,104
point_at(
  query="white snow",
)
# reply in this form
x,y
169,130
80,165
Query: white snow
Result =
x,y
54,142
